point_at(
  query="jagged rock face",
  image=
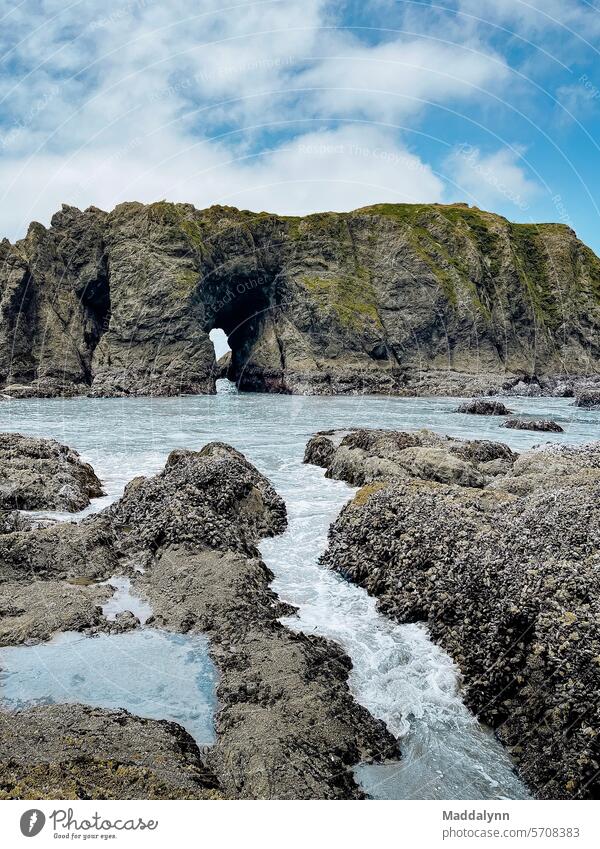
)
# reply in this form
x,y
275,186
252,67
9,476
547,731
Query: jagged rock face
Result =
x,y
209,498
42,474
504,575
392,298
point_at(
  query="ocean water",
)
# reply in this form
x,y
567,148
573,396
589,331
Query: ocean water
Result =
x,y
398,673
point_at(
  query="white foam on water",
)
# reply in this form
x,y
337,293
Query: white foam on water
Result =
x,y
123,599
398,673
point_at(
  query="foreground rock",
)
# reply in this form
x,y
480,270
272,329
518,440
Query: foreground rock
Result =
x,y
12,520
545,425
49,579
507,578
287,726
363,456
484,407
213,498
78,752
556,467
32,612
392,298
42,474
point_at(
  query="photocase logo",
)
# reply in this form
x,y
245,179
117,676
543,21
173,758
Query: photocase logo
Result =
x,y
32,822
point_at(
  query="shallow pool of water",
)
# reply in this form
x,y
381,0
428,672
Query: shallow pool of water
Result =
x,y
148,672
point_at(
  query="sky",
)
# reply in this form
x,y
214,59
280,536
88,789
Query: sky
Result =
x,y
297,106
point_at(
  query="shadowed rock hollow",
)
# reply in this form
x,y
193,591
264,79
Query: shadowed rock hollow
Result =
x,y
392,298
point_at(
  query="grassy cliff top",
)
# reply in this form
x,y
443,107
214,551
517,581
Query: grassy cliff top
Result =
x,y
402,212
455,212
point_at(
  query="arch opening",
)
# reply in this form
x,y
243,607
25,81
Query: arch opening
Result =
x,y
223,385
220,342
242,314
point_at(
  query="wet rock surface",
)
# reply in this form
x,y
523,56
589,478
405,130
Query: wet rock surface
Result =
x,y
33,611
79,752
484,407
287,726
506,578
588,399
533,424
49,578
42,474
213,498
61,551
13,520
362,456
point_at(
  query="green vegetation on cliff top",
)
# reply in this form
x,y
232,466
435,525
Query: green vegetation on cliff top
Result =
x,y
182,217
532,267
351,297
545,283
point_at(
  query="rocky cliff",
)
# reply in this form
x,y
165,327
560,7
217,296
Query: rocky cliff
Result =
x,y
392,298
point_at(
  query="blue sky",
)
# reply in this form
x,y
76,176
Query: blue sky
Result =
x,y
296,106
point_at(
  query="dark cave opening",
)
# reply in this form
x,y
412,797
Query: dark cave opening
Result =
x,y
239,315
95,300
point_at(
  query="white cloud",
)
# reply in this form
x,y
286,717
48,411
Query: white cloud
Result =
x,y
536,16
492,179
337,169
393,80
580,99
139,99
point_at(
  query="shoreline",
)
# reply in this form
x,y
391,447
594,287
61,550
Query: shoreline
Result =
x,y
426,384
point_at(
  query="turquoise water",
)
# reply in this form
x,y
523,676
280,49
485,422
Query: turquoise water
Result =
x,y
398,673
124,437
151,673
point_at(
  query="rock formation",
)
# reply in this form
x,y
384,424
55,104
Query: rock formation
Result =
x,y
79,752
403,299
588,399
546,425
500,557
364,456
42,474
483,407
